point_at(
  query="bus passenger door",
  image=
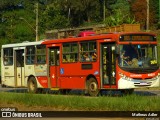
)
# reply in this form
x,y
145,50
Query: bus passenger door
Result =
x,y
108,65
53,67
19,67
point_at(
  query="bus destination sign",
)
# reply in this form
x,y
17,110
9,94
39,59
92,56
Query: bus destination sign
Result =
x,y
137,37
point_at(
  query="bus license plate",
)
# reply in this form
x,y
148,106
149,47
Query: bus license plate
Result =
x,y
143,83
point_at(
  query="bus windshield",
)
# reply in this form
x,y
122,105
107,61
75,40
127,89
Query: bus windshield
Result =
x,y
138,56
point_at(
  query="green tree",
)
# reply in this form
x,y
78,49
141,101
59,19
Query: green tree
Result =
x,y
80,11
53,18
12,11
23,33
119,13
122,5
154,13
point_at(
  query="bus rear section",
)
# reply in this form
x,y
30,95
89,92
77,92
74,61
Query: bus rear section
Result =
x,y
12,66
24,65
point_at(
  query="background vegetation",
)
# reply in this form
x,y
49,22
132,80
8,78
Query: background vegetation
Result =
x,y
56,14
17,16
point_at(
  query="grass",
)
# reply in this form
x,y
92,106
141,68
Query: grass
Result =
x,y
108,103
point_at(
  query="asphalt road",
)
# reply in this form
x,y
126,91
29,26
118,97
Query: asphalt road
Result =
x,y
146,92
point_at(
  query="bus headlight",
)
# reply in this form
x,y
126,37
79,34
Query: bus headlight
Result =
x,y
124,76
121,74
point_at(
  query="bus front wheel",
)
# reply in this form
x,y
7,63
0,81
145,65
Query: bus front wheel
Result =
x,y
127,91
92,87
32,85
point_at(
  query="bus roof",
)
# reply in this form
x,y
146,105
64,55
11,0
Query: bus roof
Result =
x,y
85,38
21,44
110,35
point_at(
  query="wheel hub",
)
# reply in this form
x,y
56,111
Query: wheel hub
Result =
x,y
93,86
32,86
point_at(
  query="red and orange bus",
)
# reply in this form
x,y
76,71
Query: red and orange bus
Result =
x,y
89,62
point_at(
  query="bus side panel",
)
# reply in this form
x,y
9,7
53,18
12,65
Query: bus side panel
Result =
x,y
79,69
29,70
74,75
72,83
39,72
43,81
8,76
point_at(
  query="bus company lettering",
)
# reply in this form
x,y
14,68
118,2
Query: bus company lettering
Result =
x,y
135,75
43,81
107,39
151,74
53,44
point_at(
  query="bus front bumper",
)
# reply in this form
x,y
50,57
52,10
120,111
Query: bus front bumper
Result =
x,y
128,83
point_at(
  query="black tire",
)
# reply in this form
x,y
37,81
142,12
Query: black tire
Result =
x,y
92,87
40,90
32,85
127,91
3,86
65,91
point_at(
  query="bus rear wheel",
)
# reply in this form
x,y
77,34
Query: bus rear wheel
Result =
x,y
92,87
32,85
65,91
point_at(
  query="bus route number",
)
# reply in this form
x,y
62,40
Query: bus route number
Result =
x,y
153,62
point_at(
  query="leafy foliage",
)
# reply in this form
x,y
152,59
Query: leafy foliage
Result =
x,y
57,14
80,11
23,33
139,10
55,19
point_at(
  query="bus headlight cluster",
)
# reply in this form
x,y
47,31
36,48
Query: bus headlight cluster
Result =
x,y
124,76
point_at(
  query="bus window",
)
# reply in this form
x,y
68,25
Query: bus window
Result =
x,y
8,56
88,51
57,56
52,59
41,54
70,52
138,56
30,54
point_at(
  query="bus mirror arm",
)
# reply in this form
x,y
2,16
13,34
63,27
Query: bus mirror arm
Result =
x,y
117,50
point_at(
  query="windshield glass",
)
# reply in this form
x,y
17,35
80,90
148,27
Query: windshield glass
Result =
x,y
138,56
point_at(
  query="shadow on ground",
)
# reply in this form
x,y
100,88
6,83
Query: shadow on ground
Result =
x,y
113,93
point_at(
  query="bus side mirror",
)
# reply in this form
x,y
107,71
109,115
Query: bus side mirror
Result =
x,y
117,50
